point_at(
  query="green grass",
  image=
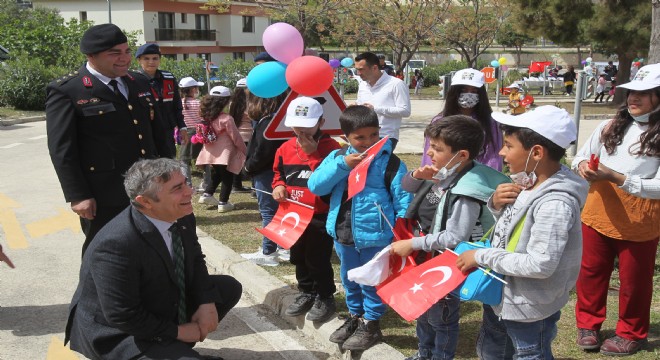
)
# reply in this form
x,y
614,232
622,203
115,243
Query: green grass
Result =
x,y
236,230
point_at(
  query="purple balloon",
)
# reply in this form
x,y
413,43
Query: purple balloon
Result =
x,y
283,42
584,62
334,63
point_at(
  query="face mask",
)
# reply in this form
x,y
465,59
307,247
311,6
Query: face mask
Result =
x,y
468,100
524,179
641,118
444,173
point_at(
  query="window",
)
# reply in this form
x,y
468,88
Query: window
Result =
x,y
186,56
204,56
184,18
202,22
248,24
169,56
239,55
166,20
83,16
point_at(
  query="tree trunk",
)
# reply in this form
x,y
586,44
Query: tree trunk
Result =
x,y
654,48
622,76
518,55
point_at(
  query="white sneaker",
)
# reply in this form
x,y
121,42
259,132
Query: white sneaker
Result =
x,y
259,258
225,207
208,200
283,255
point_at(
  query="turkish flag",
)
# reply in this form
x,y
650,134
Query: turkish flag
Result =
x,y
398,265
537,66
288,224
416,290
357,179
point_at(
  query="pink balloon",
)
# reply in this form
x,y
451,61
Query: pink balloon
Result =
x,y
283,42
309,75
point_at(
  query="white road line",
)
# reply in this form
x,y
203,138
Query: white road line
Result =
x,y
10,146
38,137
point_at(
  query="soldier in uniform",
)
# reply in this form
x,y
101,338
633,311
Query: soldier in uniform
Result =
x,y
100,120
167,89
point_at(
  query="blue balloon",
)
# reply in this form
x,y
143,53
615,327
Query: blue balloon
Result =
x,y
346,62
267,80
495,63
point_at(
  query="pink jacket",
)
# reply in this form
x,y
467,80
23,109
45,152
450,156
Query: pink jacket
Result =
x,y
229,149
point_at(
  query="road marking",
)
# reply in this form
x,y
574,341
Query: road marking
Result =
x,y
65,219
38,137
57,351
10,146
10,225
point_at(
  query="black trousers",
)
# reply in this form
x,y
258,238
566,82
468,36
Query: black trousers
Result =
x,y
103,216
230,290
220,175
311,255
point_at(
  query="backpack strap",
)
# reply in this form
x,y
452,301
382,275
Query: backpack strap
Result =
x,y
515,235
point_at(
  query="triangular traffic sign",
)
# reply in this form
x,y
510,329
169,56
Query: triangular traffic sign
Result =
x,y
332,108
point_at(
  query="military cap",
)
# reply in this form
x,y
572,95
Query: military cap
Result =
x,y
147,49
263,56
101,37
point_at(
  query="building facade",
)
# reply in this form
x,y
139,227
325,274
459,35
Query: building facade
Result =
x,y
181,27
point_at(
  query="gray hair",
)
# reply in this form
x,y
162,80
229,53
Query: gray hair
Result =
x,y
146,177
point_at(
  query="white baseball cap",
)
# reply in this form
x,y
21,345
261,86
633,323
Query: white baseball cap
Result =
x,y
220,91
189,82
303,112
242,83
469,77
549,121
514,86
647,77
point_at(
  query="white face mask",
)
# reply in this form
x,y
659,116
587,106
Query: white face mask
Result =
x,y
444,173
523,178
468,100
641,118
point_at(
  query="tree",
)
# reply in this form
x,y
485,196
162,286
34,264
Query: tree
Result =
x,y
654,48
397,25
509,36
472,26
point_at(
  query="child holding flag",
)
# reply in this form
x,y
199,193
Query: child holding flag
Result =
x,y
356,224
449,205
294,162
546,198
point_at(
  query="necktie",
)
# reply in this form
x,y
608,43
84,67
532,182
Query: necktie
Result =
x,y
115,87
177,250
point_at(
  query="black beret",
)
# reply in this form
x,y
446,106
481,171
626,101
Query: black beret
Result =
x,y
147,49
263,56
100,38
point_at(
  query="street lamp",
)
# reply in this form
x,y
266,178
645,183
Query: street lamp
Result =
x,y
110,11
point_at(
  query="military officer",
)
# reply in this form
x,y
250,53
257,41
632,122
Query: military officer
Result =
x,y
167,89
100,120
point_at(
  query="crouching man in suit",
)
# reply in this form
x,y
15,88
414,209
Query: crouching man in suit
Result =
x,y
144,290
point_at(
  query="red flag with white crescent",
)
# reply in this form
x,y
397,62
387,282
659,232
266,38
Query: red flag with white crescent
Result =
x,y
288,224
402,230
416,290
357,179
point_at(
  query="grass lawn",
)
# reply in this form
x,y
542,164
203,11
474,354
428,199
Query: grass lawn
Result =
x,y
236,230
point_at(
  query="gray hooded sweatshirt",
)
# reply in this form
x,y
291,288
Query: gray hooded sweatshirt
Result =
x,y
545,265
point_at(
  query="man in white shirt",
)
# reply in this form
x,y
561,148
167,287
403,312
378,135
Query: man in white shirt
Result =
x,y
386,95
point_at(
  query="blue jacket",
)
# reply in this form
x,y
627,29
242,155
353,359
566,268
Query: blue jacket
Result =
x,y
368,226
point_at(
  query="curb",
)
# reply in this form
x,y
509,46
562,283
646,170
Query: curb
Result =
x,y
276,295
14,121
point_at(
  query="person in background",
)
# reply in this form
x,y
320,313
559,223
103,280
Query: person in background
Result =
x,y
467,96
225,154
611,70
620,220
383,66
243,123
515,100
189,89
569,80
167,91
419,85
612,91
600,88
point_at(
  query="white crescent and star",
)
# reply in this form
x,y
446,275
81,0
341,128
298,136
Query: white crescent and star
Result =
x,y
446,271
293,215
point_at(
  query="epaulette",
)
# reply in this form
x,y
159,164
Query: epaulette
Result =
x,y
65,78
167,74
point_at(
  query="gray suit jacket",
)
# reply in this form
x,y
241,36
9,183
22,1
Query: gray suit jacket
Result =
x,y
127,297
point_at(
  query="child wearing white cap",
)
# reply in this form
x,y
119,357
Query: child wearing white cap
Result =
x,y
294,162
545,199
621,217
226,154
515,100
189,89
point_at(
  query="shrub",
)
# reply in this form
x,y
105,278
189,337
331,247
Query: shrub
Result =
x,y
23,82
351,86
227,73
432,73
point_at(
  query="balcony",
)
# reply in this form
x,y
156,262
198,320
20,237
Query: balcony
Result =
x,y
184,35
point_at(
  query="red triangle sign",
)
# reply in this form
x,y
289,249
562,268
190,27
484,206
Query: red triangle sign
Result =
x,y
332,108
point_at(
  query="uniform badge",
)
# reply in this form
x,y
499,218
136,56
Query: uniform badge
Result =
x,y
82,101
94,100
87,81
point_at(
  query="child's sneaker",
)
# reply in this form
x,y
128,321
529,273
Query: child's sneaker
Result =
x,y
224,207
367,335
208,199
260,258
302,304
346,329
417,356
323,309
283,255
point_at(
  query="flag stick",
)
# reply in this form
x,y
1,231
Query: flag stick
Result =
x,y
410,258
362,154
289,200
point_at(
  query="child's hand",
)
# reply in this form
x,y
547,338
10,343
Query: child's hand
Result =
x,y
307,143
505,194
402,248
353,159
466,261
425,172
280,194
603,173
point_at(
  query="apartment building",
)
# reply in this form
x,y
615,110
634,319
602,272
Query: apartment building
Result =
x,y
181,27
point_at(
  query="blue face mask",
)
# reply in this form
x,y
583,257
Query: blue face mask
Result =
x,y
641,118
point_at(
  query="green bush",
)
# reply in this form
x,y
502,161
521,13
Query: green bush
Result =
x,y
432,73
23,82
228,72
351,86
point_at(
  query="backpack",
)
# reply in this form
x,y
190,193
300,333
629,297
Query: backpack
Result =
x,y
391,169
